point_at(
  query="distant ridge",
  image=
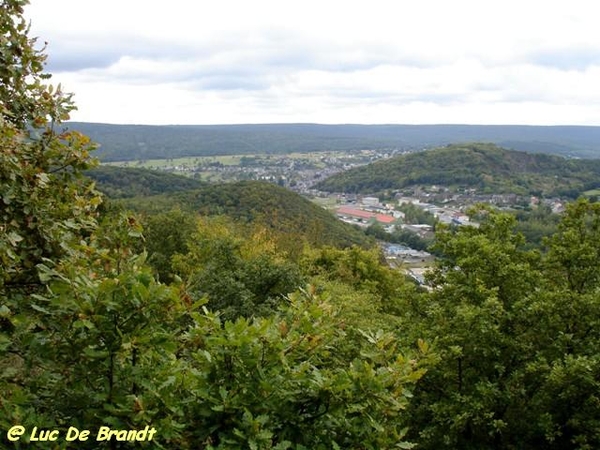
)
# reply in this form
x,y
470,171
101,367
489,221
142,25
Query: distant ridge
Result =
x,y
134,142
485,167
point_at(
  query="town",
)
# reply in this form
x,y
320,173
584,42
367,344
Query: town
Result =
x,y
300,172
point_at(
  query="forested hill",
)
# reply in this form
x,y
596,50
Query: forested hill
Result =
x,y
122,182
134,142
259,202
486,167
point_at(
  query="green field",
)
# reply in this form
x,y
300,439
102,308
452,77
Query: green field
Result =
x,y
188,161
592,192
326,202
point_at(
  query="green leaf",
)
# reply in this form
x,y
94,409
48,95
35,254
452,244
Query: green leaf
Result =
x,y
40,308
4,311
14,238
5,342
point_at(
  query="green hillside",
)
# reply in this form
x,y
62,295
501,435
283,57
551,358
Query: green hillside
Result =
x,y
265,203
485,167
123,182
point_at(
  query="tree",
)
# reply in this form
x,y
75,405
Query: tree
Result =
x,y
238,267
516,332
102,332
472,317
567,366
357,267
44,202
574,251
166,235
80,318
45,205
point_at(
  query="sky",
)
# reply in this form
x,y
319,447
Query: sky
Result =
x,y
368,62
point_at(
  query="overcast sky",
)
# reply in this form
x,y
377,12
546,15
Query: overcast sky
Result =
x,y
325,61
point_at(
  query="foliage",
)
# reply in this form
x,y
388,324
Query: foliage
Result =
x,y
537,224
361,269
86,351
238,268
83,327
282,382
574,251
415,214
511,325
166,235
115,347
43,203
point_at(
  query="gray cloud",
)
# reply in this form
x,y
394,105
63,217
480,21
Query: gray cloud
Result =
x,y
77,60
254,62
70,54
231,56
573,58
230,83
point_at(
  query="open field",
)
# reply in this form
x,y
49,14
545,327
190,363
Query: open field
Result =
x,y
326,202
318,159
188,161
592,192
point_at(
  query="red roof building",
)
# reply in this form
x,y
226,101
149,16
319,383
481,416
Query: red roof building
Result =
x,y
384,218
356,213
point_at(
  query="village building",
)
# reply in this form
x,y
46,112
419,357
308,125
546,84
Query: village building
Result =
x,y
358,215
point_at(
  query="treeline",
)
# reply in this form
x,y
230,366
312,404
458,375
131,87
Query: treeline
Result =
x,y
135,142
139,142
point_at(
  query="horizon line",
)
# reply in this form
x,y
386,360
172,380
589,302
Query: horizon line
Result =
x,y
335,124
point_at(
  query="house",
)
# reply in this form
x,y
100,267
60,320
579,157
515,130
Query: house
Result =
x,y
349,212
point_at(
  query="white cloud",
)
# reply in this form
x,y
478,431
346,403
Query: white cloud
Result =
x,y
384,61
